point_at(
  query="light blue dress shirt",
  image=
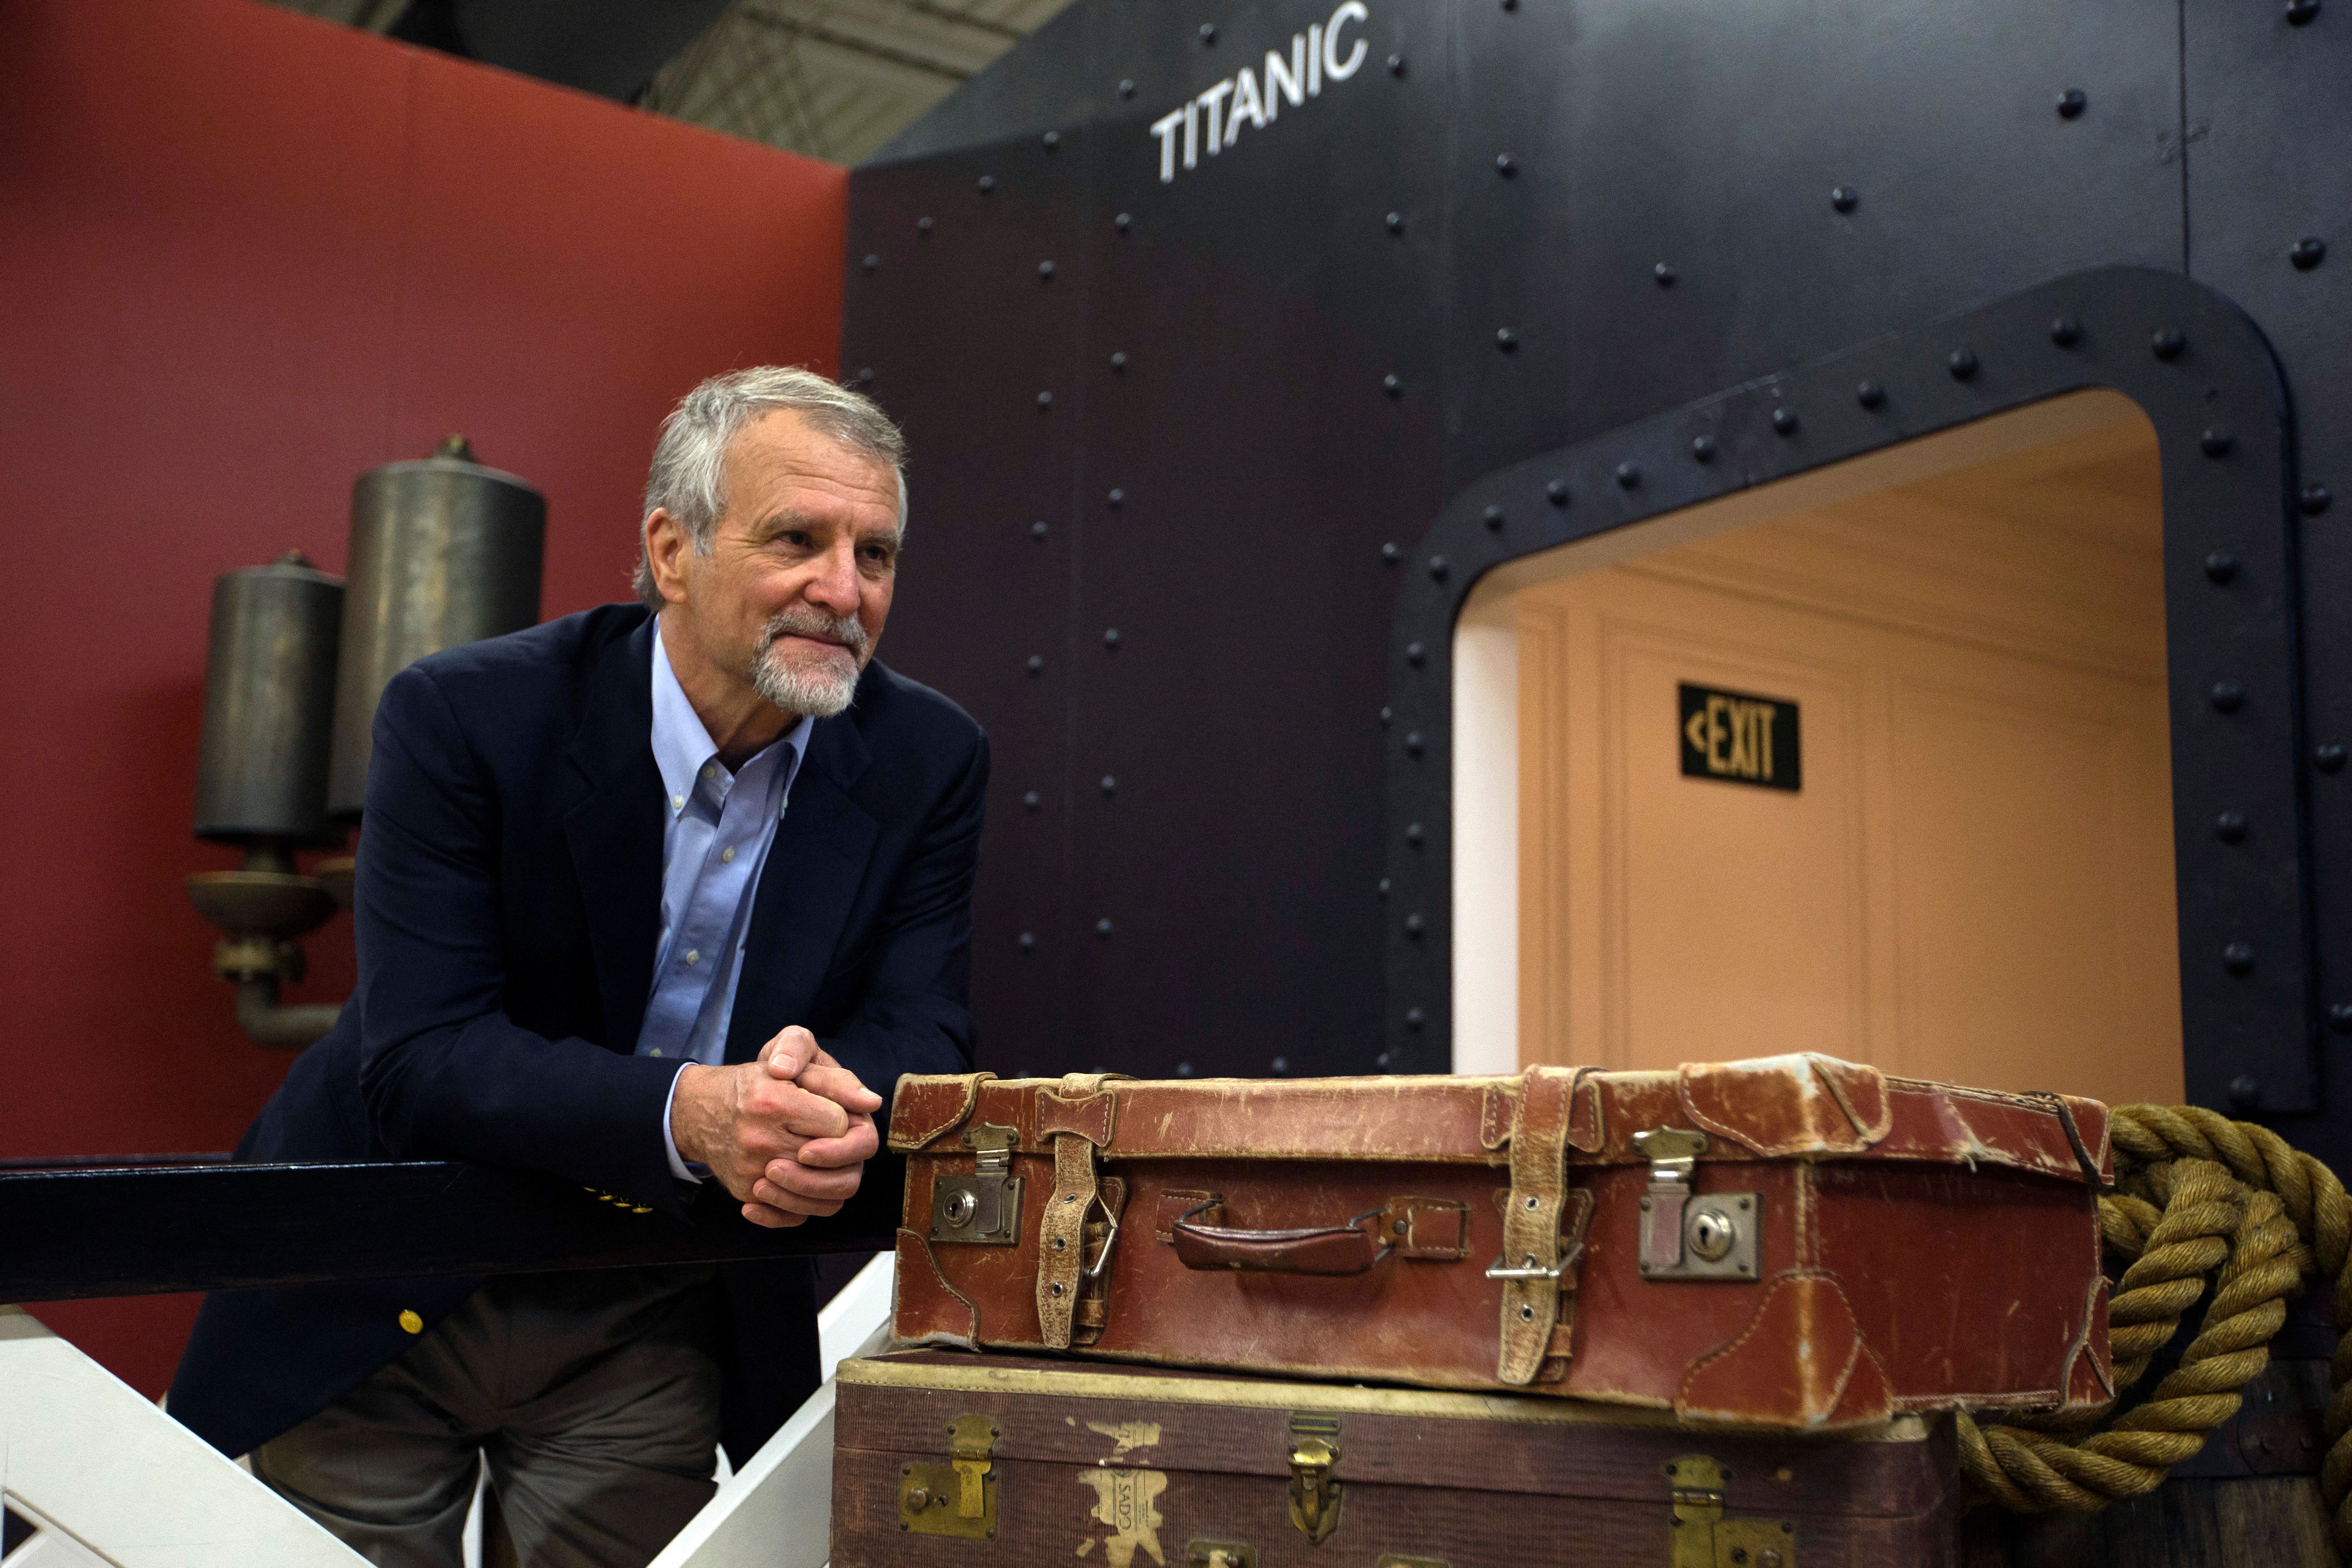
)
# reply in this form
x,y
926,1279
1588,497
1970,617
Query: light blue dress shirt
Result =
x,y
718,830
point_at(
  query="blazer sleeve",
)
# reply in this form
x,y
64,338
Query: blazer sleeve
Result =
x,y
913,1014
442,1071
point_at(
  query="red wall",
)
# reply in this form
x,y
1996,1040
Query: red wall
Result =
x,y
243,257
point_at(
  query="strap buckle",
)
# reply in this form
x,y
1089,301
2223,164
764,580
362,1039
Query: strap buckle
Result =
x,y
1528,1270
1094,1270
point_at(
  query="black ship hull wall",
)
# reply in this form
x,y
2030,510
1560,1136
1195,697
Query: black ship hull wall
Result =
x,y
1204,453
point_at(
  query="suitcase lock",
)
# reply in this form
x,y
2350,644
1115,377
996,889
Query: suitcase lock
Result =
x,y
1688,1236
1700,1537
957,1497
1314,1496
985,1207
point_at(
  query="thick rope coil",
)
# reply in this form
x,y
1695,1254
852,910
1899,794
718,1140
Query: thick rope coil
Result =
x,y
2197,1196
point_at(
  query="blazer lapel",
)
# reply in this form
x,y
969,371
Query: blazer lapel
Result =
x,y
614,831
807,889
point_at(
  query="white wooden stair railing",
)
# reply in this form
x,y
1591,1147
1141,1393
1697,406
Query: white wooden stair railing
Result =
x,y
108,1478
103,1478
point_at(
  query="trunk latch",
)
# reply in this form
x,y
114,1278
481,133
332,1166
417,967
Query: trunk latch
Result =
x,y
1687,1235
959,1498
985,1207
1700,1537
1314,1496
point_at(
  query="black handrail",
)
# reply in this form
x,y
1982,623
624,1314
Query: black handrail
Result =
x,y
118,1229
109,1162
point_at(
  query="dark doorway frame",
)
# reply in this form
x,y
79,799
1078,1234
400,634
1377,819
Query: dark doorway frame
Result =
x,y
2207,380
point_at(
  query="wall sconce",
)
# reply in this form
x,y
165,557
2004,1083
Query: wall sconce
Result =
x,y
443,550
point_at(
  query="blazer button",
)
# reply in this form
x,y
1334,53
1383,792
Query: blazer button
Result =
x,y
410,1321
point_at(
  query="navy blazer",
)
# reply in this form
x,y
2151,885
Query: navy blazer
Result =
x,y
507,915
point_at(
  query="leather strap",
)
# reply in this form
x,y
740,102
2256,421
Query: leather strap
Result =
x,y
1092,1115
1077,1124
1532,1218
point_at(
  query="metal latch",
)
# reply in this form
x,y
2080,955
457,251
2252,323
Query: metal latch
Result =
x,y
957,1497
1314,1496
985,1207
1702,1538
1688,1236
1220,1554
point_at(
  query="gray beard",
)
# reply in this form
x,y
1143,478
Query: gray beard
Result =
x,y
820,693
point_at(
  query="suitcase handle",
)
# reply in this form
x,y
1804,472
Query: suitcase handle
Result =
x,y
1329,1250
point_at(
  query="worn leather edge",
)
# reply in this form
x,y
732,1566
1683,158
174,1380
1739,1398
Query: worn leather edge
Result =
x,y
2090,1346
2101,1139
1843,1402
2091,1134
1931,1121
1695,1081
913,1090
911,1243
1103,1375
1842,1085
2068,1162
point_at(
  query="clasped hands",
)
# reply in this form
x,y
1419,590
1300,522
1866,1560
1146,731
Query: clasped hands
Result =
x,y
788,1132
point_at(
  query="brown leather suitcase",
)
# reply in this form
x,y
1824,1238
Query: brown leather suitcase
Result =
x,y
950,1459
1795,1242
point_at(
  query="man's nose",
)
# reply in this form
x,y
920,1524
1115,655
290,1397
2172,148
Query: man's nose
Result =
x,y
835,585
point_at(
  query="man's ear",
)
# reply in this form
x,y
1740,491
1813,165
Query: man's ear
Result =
x,y
667,547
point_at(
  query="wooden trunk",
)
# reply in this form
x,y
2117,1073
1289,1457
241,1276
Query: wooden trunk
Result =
x,y
1062,1462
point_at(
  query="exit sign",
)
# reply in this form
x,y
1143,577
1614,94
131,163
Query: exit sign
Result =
x,y
1739,738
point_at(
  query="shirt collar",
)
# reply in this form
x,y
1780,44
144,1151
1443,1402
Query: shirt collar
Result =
x,y
682,745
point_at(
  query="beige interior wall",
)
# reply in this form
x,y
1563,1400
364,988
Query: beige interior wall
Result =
x,y
1974,883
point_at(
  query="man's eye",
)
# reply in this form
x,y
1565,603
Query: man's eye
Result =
x,y
794,537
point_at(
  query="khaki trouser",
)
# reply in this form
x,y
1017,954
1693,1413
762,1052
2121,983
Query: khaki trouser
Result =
x,y
591,1398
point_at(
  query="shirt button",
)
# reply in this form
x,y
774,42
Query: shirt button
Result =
x,y
410,1321
726,855
655,1052
677,802
693,956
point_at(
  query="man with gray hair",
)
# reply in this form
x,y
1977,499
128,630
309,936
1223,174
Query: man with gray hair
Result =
x,y
654,897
